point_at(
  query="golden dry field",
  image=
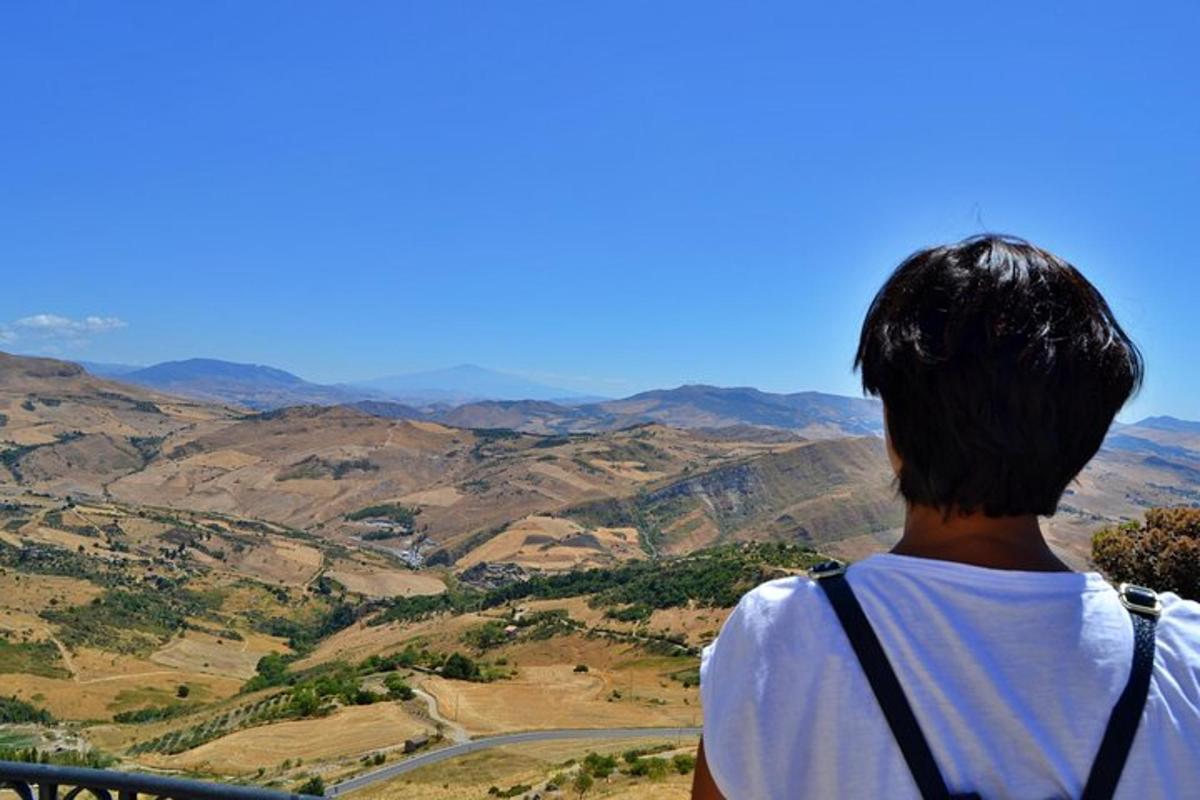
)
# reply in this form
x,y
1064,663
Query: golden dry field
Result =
x,y
470,777
344,735
553,544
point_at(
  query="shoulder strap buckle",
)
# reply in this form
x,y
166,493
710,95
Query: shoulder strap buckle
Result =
x,y
826,569
1139,599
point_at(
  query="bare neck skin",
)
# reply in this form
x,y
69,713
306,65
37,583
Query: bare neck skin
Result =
x,y
997,542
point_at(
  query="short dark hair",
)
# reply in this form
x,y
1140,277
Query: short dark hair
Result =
x,y
1000,368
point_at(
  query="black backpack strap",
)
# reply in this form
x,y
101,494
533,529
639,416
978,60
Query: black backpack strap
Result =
x,y
1144,608
874,662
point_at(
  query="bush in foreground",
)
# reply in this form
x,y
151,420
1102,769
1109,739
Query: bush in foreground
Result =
x,y
1162,553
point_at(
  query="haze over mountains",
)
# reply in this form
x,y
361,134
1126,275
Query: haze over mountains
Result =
x,y
263,387
685,467
474,397
462,384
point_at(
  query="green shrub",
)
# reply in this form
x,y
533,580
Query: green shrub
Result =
x,y
599,766
653,767
461,668
683,763
1162,553
314,786
397,688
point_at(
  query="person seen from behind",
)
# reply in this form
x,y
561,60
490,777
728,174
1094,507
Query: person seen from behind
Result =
x,y
969,661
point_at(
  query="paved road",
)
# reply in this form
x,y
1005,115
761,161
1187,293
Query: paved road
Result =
x,y
434,756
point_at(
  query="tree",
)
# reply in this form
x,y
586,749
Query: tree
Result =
x,y
314,786
599,766
582,783
461,668
397,688
272,668
304,702
1162,553
182,691
684,763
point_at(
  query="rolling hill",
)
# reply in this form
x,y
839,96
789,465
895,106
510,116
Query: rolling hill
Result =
x,y
308,467
810,414
474,397
685,468
250,385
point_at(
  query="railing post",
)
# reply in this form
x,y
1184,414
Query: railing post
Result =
x,y
32,781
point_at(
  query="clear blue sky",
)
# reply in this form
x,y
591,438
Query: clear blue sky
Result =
x,y
605,196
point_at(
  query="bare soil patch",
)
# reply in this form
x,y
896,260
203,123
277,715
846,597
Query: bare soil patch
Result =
x,y
550,543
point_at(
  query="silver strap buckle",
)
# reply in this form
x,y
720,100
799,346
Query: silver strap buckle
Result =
x,y
1139,599
826,569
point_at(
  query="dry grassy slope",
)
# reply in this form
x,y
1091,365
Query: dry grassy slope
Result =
x,y
814,414
308,466
299,466
818,491
531,416
66,432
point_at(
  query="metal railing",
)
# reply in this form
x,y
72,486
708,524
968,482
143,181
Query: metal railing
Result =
x,y
68,783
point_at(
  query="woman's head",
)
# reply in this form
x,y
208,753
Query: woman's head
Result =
x,y
1000,368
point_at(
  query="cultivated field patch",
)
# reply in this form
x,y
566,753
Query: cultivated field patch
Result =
x,y
383,582
349,731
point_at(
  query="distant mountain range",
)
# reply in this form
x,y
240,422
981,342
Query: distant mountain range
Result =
x,y
813,415
265,388
250,385
694,465
469,396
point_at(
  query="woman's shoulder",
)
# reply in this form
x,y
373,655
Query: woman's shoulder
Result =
x,y
775,616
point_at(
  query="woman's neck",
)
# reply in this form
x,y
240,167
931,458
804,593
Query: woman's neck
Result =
x,y
998,542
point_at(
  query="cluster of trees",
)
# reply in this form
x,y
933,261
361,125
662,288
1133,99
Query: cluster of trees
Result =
x,y
638,612
67,758
460,668
311,692
45,560
13,709
638,763
393,512
537,626
716,577
156,614
1162,552
152,713
303,635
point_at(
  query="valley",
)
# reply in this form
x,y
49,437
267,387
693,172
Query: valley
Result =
x,y
297,596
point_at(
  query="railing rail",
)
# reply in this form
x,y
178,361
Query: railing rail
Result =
x,y
68,783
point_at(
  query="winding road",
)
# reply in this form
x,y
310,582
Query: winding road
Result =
x,y
462,748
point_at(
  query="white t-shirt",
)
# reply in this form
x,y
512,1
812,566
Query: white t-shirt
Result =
x,y
1012,676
